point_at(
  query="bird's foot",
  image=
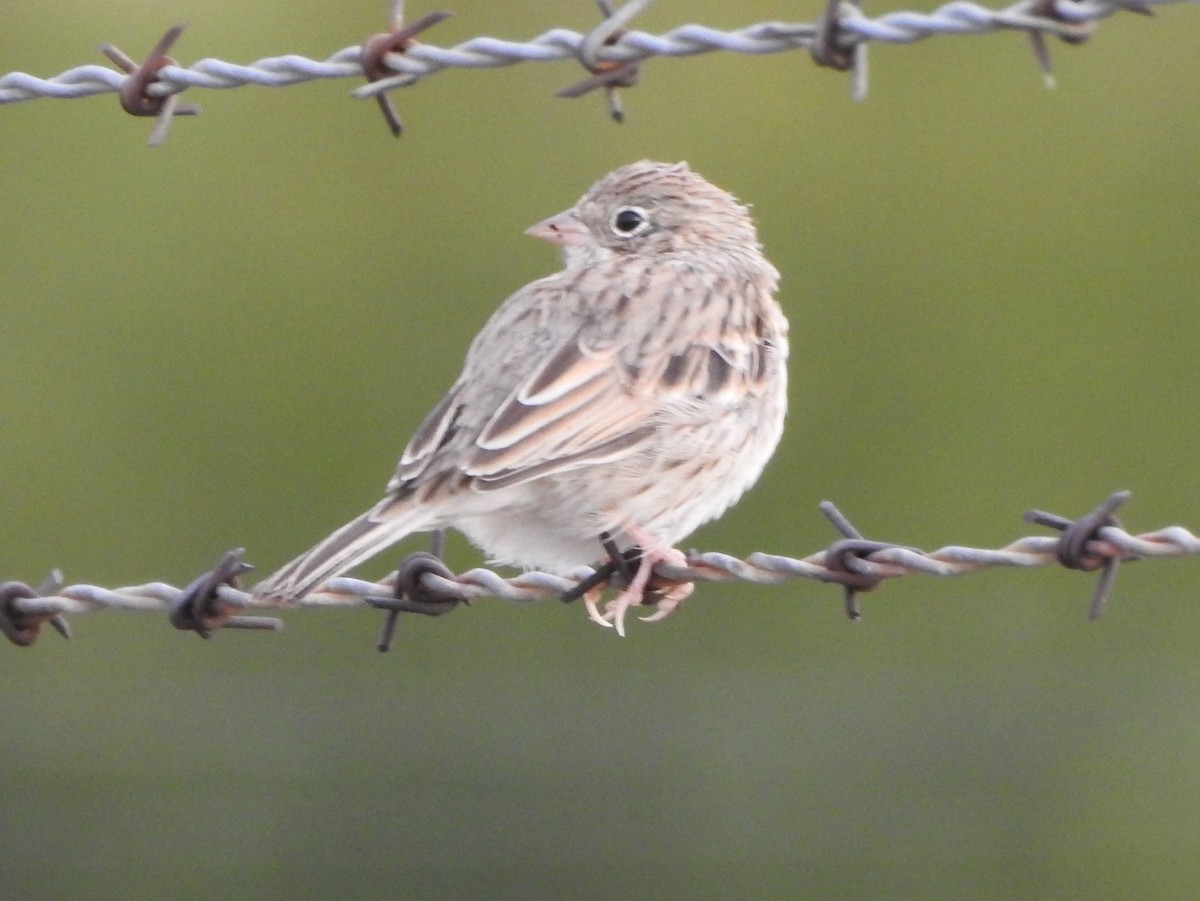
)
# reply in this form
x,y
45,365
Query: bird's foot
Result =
x,y
666,596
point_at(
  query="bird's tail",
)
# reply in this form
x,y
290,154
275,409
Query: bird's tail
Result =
x,y
383,525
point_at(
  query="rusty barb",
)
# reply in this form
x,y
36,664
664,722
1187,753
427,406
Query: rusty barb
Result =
x,y
843,559
424,585
134,93
1081,31
23,624
413,594
1072,30
607,74
835,48
200,608
1082,545
397,39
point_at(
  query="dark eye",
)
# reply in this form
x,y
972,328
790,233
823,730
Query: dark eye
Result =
x,y
630,220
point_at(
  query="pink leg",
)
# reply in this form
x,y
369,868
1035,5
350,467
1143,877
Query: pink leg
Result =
x,y
653,553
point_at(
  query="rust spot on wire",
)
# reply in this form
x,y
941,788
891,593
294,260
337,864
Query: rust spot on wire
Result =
x,y
846,559
19,627
414,594
606,74
830,48
1082,546
1078,33
833,48
397,39
201,609
134,93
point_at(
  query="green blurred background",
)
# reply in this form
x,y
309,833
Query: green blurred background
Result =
x,y
226,341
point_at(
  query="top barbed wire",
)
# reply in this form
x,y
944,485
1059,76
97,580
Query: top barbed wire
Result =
x,y
609,52
423,584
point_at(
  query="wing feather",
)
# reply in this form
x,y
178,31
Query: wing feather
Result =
x,y
600,389
566,414
434,431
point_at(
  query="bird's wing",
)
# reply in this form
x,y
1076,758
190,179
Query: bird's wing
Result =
x,y
657,338
579,406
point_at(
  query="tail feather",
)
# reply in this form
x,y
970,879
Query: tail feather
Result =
x,y
383,525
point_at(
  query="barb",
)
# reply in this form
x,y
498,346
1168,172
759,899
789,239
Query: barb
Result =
x,y
607,75
135,97
397,39
1095,541
611,51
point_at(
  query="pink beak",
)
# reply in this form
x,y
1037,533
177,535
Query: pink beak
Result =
x,y
564,229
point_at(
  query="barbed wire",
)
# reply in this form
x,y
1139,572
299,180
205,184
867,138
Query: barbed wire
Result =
x,y
423,584
610,53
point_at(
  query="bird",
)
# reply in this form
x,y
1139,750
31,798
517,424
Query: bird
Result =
x,y
618,403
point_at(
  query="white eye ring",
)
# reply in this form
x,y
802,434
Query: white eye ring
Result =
x,y
629,221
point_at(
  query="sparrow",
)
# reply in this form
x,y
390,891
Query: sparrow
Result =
x,y
628,398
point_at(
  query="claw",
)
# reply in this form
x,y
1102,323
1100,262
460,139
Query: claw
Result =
x,y
618,607
615,610
670,602
593,611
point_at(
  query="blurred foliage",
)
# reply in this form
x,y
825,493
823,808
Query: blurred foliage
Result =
x,y
226,341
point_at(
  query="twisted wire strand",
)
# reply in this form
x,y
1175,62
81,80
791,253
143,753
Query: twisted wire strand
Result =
x,y
1069,19
1108,543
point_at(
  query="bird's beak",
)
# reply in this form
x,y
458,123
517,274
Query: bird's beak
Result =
x,y
564,229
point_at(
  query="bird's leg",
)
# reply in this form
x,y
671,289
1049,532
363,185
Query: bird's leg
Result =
x,y
619,560
650,554
591,589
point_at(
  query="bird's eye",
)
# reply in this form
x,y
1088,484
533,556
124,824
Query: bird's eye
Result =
x,y
630,220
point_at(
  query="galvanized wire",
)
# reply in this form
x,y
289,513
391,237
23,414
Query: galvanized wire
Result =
x,y
609,44
1093,542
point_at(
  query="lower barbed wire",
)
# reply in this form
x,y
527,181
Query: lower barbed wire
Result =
x,y
1110,542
